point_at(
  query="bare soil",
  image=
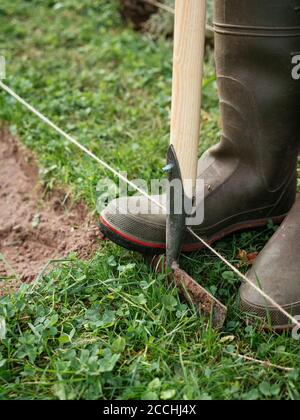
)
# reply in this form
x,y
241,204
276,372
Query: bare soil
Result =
x,y
35,229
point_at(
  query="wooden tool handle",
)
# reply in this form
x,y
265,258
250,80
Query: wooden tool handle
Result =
x,y
189,41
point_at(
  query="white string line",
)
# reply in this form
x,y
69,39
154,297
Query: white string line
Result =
x,y
264,363
79,145
150,198
169,9
243,277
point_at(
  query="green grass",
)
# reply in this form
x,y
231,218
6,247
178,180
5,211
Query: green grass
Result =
x,y
109,327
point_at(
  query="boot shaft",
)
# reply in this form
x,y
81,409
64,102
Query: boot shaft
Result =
x,y
258,14
255,43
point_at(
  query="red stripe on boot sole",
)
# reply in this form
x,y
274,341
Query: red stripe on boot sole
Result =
x,y
197,246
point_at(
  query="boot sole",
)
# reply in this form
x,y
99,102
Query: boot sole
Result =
x,y
134,244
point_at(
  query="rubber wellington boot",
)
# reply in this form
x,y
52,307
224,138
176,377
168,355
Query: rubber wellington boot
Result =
x,y
250,175
277,272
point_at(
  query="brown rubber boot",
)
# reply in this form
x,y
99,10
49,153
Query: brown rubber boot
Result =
x,y
250,176
277,272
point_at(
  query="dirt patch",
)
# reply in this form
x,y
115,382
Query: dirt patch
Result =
x,y
35,229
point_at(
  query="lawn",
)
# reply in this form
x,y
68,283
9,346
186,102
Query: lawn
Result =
x,y
110,328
